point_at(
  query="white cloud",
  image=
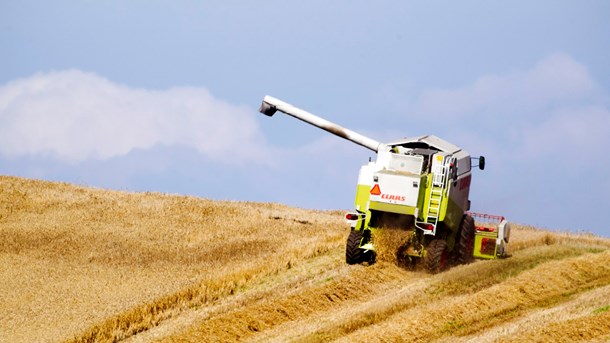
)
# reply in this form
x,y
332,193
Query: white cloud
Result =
x,y
554,109
577,133
75,116
554,80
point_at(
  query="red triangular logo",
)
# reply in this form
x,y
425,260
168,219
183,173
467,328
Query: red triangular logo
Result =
x,y
375,190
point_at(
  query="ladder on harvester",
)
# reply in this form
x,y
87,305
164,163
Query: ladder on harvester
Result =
x,y
439,179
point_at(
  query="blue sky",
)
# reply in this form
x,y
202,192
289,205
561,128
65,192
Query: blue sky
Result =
x,y
163,96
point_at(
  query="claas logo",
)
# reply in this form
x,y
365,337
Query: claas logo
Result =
x,y
376,190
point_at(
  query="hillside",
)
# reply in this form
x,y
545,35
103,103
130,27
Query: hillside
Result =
x,y
81,264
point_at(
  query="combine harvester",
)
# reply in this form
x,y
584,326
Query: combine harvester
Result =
x,y
420,184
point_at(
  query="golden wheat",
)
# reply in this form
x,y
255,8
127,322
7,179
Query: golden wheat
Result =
x,y
122,262
459,315
85,265
389,244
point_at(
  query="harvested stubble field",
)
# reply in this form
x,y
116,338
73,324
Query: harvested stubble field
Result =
x,y
80,264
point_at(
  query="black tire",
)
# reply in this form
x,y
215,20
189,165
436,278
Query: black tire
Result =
x,y
353,253
437,256
466,240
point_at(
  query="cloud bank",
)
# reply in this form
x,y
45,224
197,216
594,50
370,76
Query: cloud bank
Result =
x,y
554,109
74,116
555,80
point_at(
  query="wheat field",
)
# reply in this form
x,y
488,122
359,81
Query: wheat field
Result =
x,y
79,264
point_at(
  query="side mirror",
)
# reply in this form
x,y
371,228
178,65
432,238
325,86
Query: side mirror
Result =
x,y
482,162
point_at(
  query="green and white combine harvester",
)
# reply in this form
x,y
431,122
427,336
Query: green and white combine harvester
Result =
x,y
420,184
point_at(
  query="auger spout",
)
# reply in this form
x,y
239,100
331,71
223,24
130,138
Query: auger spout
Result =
x,y
270,105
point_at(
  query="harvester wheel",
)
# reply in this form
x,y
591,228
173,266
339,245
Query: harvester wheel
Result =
x,y
437,256
353,253
466,240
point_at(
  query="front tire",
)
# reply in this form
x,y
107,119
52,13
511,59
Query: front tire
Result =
x,y
353,253
466,240
437,256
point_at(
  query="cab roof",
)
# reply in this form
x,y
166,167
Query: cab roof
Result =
x,y
430,140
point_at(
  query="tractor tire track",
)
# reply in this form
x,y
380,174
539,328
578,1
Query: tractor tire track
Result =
x,y
463,315
461,280
358,284
578,307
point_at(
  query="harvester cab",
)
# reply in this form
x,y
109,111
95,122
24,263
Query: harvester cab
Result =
x,y
420,184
